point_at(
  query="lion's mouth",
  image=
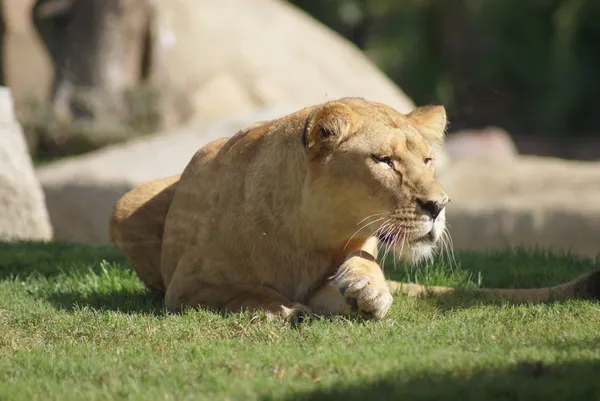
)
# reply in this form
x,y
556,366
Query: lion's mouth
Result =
x,y
391,238
429,237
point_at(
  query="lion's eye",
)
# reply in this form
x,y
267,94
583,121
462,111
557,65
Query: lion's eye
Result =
x,y
428,161
384,159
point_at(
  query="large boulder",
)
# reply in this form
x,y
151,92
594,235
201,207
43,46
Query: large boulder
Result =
x,y
23,215
527,201
218,58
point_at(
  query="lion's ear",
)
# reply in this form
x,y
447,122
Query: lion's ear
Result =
x,y
327,126
431,121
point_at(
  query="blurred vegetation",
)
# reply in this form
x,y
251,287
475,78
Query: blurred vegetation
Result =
x,y
528,66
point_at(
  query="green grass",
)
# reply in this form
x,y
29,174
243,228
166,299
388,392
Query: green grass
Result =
x,y
76,324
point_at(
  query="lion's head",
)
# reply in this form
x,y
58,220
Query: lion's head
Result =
x,y
371,174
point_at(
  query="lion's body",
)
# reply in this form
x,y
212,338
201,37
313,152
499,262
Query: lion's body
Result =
x,y
269,219
241,203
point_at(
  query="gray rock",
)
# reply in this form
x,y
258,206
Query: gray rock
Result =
x,y
23,215
488,142
527,201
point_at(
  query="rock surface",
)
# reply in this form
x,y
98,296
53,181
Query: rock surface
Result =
x,y
23,214
488,142
217,58
528,201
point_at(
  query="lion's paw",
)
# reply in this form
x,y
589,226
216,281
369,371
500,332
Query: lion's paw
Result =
x,y
372,299
370,295
295,313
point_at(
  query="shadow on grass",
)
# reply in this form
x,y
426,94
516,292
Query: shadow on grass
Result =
x,y
25,260
524,267
121,301
514,268
528,380
462,298
48,259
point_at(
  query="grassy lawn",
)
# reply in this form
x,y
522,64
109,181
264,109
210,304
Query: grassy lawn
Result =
x,y
75,324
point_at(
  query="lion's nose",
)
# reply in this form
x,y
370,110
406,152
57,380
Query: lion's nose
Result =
x,y
433,206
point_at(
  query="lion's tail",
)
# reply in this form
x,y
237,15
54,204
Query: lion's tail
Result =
x,y
586,286
137,225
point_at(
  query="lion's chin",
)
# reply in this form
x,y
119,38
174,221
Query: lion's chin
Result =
x,y
413,252
420,251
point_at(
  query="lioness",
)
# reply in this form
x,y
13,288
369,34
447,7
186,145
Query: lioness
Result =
x,y
287,215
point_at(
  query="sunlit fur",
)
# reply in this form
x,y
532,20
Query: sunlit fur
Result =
x,y
286,216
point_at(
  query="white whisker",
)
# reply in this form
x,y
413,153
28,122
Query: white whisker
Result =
x,y
404,237
391,230
373,215
382,227
399,235
362,228
450,249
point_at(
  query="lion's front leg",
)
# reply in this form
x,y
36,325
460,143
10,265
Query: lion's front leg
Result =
x,y
186,289
361,282
328,300
238,298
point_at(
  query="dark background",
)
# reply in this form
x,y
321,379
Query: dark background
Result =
x,y
531,67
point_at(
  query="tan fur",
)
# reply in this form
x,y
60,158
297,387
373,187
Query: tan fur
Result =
x,y
287,215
